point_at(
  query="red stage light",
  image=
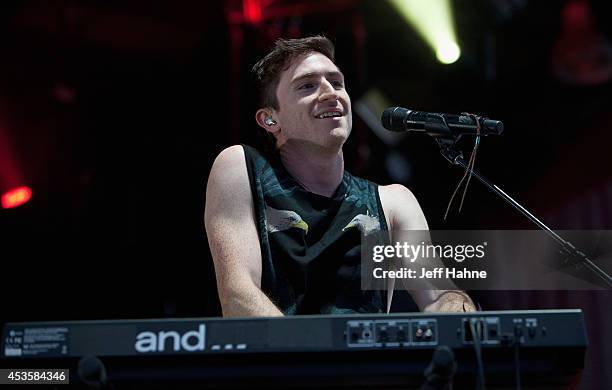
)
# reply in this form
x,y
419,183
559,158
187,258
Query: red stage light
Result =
x,y
16,197
252,10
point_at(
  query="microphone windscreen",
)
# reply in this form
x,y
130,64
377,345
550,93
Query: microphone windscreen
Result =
x,y
443,357
494,127
393,118
92,371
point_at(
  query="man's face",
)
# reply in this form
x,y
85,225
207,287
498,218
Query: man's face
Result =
x,y
314,107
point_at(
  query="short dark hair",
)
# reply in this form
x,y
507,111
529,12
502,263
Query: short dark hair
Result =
x,y
268,70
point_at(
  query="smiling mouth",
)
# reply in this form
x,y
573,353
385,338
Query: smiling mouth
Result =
x,y
332,114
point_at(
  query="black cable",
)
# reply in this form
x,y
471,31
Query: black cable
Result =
x,y
517,362
476,332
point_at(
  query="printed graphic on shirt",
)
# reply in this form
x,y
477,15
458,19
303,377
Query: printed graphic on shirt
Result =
x,y
366,223
279,220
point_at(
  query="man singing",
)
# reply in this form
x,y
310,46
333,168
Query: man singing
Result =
x,y
285,226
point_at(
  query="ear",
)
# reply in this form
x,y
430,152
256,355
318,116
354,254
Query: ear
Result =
x,y
260,117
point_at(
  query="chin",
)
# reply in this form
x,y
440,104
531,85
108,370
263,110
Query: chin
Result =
x,y
338,136
340,132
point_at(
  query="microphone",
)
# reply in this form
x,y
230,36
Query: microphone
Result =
x,y
439,374
438,125
92,373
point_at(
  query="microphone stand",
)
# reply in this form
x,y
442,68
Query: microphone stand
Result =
x,y
455,157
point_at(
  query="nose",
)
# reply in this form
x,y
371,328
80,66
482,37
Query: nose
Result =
x,y
327,91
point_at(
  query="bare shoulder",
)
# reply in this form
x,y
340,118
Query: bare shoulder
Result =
x,y
228,182
396,196
229,170
401,208
229,162
231,152
396,191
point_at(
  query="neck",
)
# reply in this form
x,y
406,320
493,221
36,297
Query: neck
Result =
x,y
318,171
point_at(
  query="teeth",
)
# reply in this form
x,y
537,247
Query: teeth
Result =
x,y
329,114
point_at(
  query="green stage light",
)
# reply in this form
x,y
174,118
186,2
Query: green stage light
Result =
x,y
432,20
448,53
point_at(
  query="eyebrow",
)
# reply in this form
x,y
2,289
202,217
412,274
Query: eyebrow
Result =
x,y
314,74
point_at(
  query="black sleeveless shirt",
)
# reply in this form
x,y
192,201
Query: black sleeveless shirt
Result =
x,y
310,244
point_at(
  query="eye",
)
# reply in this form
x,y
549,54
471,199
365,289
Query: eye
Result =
x,y
337,83
306,86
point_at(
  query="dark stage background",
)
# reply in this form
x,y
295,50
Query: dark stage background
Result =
x,y
112,112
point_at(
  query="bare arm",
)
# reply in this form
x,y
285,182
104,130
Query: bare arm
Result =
x,y
404,213
229,219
